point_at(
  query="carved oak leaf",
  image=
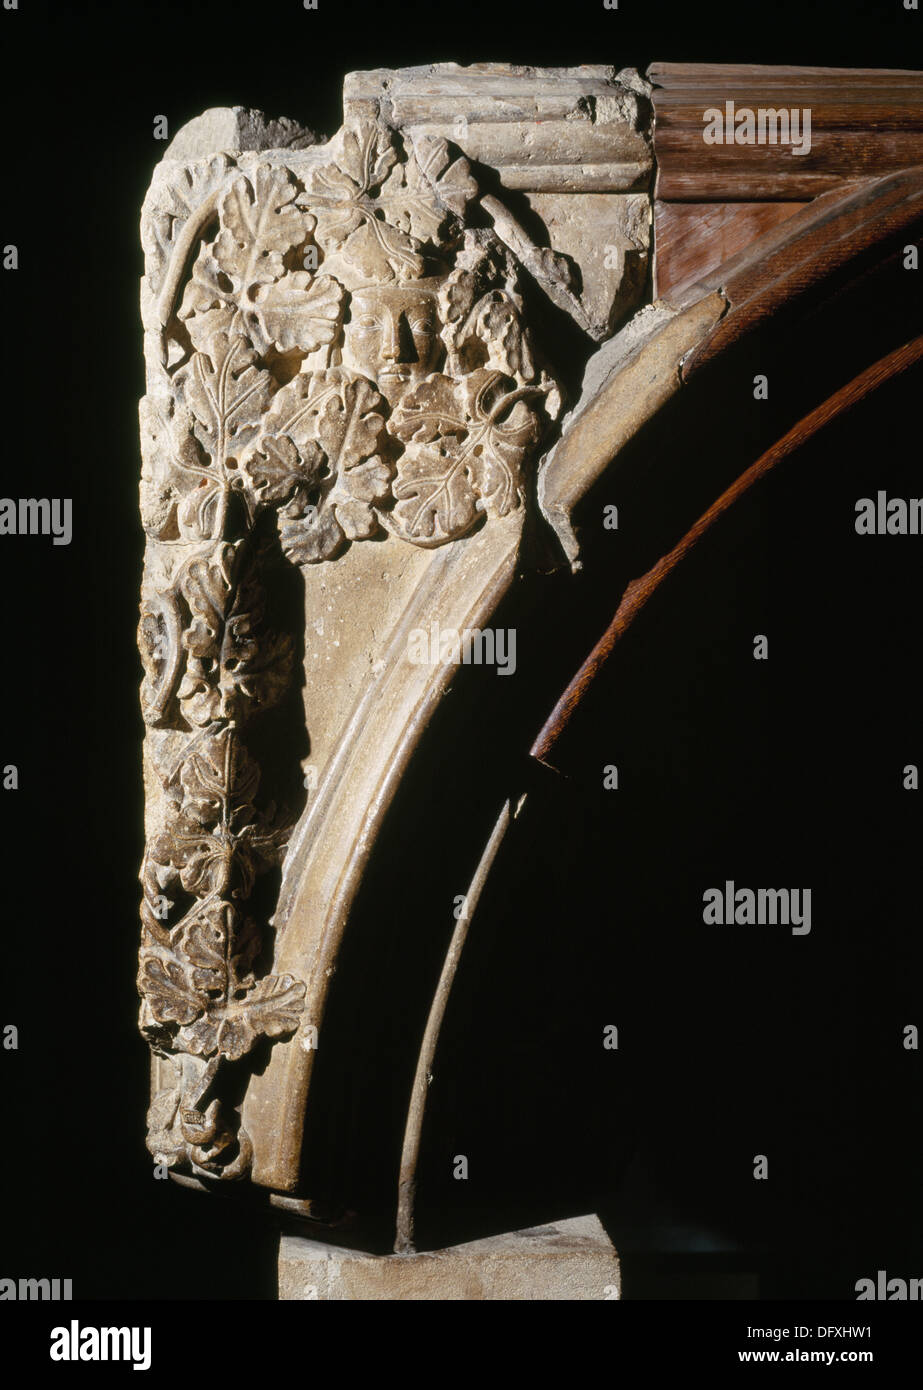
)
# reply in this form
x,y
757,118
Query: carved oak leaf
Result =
x,y
278,471
341,197
296,406
451,181
218,778
218,860
245,264
295,412
235,665
206,583
259,223
205,858
203,943
298,311
227,395
363,156
349,423
382,252
210,937
346,422
168,991
418,195
312,538
465,445
270,1009
218,841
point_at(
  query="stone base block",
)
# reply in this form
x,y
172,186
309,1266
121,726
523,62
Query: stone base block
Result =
x,y
571,1259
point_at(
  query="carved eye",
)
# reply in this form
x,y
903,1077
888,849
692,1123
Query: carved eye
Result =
x,y
369,321
424,325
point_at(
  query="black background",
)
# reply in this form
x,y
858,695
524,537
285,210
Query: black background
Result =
x,y
734,1041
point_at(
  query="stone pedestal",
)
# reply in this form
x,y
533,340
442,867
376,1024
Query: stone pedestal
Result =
x,y
571,1259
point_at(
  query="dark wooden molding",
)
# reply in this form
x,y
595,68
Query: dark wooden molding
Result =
x,y
863,123
695,238
712,199
838,236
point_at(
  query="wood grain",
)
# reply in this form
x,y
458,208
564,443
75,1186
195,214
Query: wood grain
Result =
x,y
860,223
863,122
692,239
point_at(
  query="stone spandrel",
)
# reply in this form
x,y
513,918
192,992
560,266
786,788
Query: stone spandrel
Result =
x,y
339,350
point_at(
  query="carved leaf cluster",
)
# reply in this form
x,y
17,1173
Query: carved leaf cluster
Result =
x,y
219,841
379,212
339,416
316,460
465,444
200,978
256,443
245,271
235,665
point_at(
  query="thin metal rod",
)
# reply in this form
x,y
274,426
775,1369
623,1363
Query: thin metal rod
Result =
x,y
407,1186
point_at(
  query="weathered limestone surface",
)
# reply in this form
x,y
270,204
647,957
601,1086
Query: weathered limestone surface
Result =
x,y
571,1259
236,129
574,142
550,129
608,236
625,383
346,406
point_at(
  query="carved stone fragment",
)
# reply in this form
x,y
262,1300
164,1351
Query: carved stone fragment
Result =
x,y
382,372
344,397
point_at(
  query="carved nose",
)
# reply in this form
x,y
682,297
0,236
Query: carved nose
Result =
x,y
391,342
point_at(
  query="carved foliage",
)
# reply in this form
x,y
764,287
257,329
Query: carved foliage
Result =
x,y
379,212
466,441
256,439
199,977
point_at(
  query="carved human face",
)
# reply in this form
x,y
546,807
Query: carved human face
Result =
x,y
393,336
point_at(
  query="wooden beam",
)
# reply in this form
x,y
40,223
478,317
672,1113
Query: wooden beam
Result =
x,y
863,123
692,239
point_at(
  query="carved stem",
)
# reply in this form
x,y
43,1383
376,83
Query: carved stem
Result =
x,y
168,608
186,240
